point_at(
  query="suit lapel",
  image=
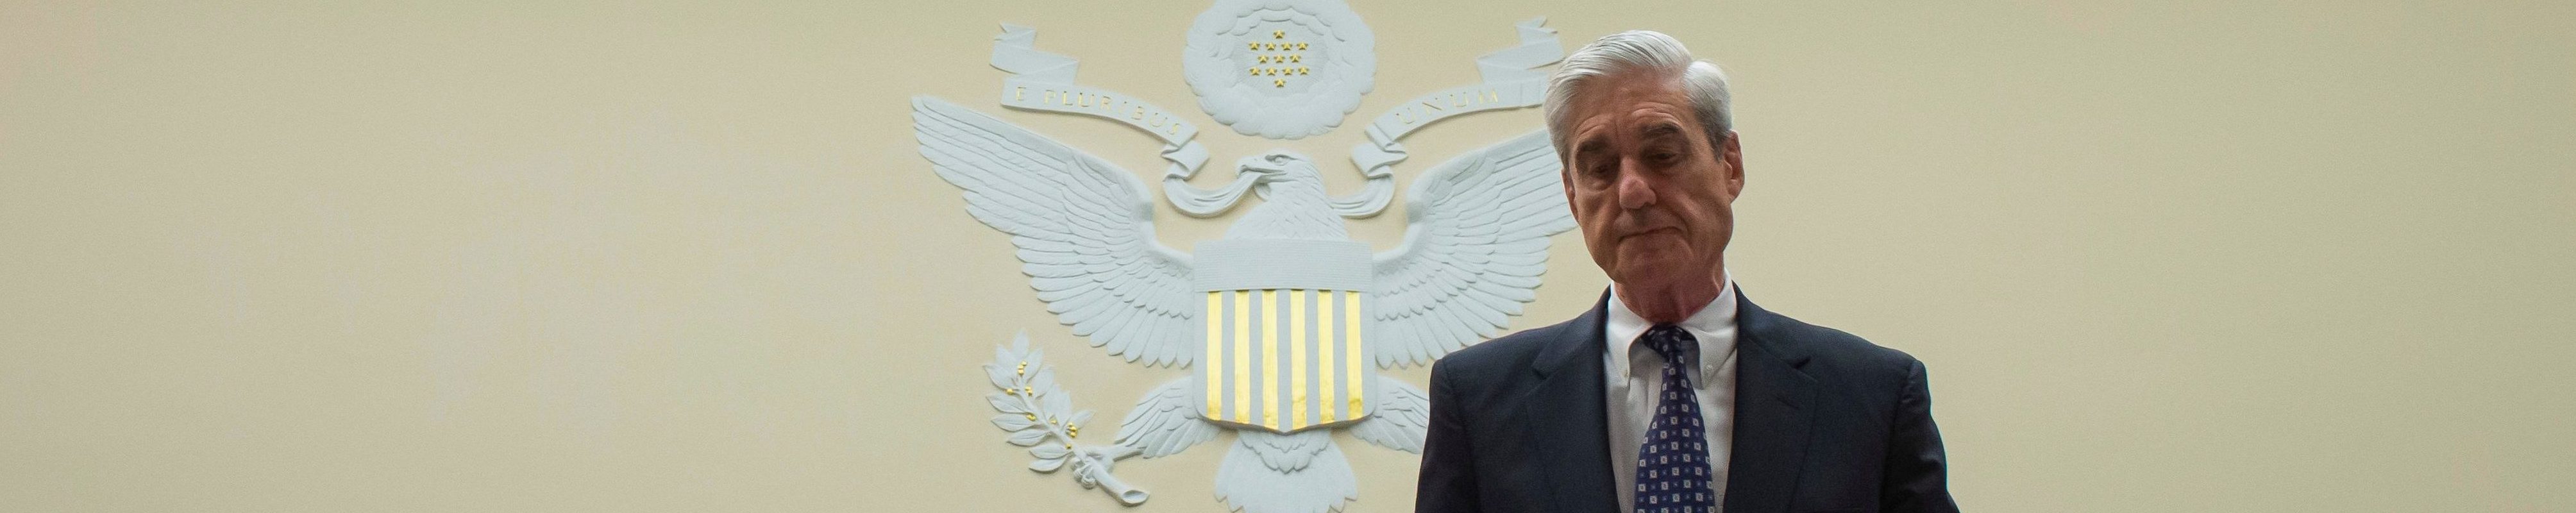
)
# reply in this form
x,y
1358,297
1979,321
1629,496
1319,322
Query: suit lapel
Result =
x,y
1772,417
1568,417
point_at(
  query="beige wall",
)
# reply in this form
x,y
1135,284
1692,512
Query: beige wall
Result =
x,y
540,256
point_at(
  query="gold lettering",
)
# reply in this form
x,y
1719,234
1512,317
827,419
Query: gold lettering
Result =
x,y
1019,93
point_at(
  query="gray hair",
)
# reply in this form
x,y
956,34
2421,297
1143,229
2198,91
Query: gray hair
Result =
x,y
1650,54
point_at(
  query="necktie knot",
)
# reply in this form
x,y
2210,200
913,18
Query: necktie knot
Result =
x,y
1677,346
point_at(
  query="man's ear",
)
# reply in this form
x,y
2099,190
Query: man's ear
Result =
x,y
1732,152
1565,179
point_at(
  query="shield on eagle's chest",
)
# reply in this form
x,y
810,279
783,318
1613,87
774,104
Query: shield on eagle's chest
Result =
x,y
1285,346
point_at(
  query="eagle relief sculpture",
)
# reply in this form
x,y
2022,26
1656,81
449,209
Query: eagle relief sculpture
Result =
x,y
1283,322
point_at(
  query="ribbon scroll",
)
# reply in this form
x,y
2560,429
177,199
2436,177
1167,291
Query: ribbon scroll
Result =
x,y
1511,81
1044,81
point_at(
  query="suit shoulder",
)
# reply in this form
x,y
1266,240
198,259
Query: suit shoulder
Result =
x,y
1841,348
1489,360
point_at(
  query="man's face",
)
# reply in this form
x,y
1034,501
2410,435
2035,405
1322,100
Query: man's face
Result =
x,y
1651,193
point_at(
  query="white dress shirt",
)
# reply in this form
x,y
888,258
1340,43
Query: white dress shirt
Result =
x,y
1635,375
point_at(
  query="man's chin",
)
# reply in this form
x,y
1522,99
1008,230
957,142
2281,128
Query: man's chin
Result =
x,y
1649,274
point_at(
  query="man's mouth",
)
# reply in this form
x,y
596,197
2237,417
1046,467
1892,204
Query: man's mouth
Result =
x,y
1652,231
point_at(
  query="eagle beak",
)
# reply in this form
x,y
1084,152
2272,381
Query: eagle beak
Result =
x,y
1260,166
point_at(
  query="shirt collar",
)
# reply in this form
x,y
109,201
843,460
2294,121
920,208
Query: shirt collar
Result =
x,y
1713,325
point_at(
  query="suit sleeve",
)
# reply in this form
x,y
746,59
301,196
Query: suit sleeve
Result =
x,y
1917,477
1448,480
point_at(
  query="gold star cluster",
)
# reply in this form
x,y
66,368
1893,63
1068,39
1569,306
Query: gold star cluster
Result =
x,y
1281,52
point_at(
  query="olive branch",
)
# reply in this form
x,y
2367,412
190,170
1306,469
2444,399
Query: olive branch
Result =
x,y
1039,414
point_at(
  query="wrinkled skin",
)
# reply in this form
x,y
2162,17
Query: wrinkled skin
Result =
x,y
1653,193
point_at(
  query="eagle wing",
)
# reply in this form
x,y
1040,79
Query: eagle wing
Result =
x,y
1402,420
1163,422
1473,253
1084,229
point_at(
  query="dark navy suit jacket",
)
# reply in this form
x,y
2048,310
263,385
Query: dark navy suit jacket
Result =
x,y
1824,422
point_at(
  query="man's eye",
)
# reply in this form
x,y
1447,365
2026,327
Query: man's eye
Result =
x,y
1598,171
1665,157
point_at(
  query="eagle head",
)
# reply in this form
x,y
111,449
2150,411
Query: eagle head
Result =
x,y
1293,202
1281,166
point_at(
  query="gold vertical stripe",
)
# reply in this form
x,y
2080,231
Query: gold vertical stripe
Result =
x,y
1351,322
1270,359
1242,357
1208,368
1296,358
1324,354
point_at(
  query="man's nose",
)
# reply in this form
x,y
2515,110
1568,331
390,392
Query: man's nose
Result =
x,y
1634,192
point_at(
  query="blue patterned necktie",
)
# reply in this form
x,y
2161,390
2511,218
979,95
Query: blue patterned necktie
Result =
x,y
1672,466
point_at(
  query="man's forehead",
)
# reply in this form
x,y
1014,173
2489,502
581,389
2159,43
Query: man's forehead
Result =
x,y
1642,120
1632,96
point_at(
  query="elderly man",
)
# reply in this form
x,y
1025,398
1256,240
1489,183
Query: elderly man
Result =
x,y
1675,393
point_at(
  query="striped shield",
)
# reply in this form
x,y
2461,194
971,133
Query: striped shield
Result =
x,y
1284,348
